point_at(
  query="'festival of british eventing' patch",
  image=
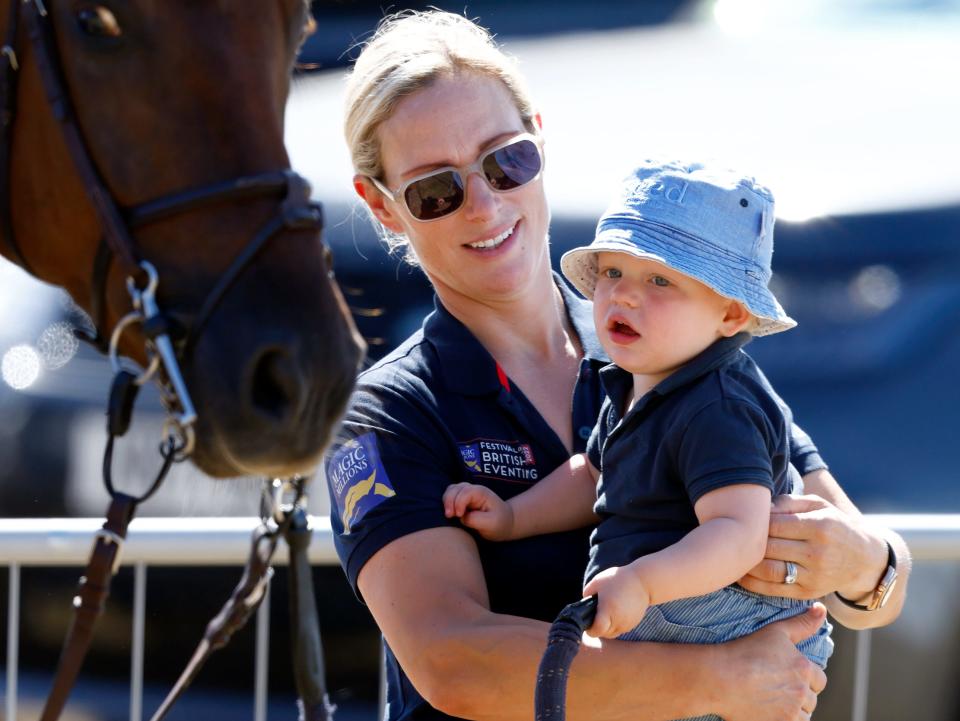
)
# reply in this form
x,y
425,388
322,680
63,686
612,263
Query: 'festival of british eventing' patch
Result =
x,y
503,460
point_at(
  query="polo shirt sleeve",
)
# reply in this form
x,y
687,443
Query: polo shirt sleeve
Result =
x,y
727,442
804,454
386,474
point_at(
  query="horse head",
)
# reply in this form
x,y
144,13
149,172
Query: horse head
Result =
x,y
179,110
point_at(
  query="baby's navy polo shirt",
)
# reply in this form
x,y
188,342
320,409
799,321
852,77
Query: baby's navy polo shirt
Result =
x,y
436,411
714,422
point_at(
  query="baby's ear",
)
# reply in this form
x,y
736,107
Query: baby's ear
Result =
x,y
736,319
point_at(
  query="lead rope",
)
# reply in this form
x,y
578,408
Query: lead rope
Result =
x,y
306,648
289,521
563,642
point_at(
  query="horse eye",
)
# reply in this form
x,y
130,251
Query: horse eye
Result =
x,y
98,21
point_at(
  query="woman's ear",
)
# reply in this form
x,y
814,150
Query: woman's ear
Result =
x,y
735,319
377,203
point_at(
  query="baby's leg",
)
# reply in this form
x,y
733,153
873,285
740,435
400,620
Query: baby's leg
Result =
x,y
724,615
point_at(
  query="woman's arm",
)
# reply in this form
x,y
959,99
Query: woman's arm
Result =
x,y
835,550
427,594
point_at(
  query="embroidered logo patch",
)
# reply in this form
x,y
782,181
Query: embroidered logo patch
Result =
x,y
504,460
358,479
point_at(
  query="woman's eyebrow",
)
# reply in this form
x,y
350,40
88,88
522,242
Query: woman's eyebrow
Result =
x,y
489,143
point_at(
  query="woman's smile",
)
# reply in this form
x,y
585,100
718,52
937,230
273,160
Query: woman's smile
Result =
x,y
499,241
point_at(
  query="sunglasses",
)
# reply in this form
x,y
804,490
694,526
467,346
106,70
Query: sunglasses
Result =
x,y
442,192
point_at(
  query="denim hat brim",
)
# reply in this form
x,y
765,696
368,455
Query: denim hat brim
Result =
x,y
689,255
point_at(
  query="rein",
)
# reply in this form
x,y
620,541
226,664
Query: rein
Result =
x,y
166,345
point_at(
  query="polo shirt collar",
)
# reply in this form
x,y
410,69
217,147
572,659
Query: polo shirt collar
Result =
x,y
618,383
469,369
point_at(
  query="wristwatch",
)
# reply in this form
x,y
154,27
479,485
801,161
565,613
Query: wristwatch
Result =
x,y
879,596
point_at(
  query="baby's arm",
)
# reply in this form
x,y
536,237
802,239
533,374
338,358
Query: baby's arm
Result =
x,y
730,540
560,502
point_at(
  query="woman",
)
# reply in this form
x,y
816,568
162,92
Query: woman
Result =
x,y
447,148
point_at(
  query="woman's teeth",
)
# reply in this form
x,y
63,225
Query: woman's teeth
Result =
x,y
493,242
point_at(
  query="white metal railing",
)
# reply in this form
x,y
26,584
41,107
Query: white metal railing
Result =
x,y
226,542
150,542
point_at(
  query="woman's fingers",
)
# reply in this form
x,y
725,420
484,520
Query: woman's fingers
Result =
x,y
809,703
773,571
769,578
781,549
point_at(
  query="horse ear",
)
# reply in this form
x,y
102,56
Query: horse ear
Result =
x,y
376,201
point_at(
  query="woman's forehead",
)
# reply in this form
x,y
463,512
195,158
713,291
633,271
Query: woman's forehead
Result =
x,y
448,122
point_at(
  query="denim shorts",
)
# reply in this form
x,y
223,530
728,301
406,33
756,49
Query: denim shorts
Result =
x,y
724,615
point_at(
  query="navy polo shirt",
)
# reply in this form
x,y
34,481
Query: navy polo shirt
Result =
x,y
714,422
437,411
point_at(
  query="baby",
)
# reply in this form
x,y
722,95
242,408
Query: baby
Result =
x,y
692,442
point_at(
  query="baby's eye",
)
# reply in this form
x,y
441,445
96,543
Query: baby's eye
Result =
x,y
611,273
660,281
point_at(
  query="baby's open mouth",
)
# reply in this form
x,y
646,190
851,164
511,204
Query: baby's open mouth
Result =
x,y
618,326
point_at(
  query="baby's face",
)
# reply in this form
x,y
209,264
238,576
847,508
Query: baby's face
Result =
x,y
652,319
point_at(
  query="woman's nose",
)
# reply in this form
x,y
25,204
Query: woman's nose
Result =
x,y
481,202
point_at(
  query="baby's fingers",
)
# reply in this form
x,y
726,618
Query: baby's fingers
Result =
x,y
451,505
601,627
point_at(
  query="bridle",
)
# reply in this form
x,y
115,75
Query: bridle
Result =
x,y
167,343
297,211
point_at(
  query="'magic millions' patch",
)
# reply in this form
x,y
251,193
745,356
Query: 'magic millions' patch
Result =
x,y
358,480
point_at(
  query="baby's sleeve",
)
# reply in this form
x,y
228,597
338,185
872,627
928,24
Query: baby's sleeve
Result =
x,y
730,442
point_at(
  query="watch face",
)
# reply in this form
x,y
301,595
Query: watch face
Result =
x,y
886,587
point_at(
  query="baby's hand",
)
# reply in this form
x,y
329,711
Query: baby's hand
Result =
x,y
622,601
479,508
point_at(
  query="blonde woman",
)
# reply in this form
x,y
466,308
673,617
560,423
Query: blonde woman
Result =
x,y
500,387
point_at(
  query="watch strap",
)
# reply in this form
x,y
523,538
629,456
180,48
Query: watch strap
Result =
x,y
875,597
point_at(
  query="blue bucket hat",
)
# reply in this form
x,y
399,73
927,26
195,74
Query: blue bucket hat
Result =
x,y
713,225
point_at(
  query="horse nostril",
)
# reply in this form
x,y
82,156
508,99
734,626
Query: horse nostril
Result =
x,y
277,385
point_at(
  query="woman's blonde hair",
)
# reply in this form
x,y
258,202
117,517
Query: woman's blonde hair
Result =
x,y
408,52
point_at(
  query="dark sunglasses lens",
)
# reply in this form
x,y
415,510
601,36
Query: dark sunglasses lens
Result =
x,y
512,166
435,196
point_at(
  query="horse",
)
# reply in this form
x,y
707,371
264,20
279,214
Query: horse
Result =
x,y
142,169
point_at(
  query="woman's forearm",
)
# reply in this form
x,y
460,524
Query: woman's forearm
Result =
x,y
490,671
491,667
472,663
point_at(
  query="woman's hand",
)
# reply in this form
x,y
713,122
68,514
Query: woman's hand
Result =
x,y
834,549
773,680
479,508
